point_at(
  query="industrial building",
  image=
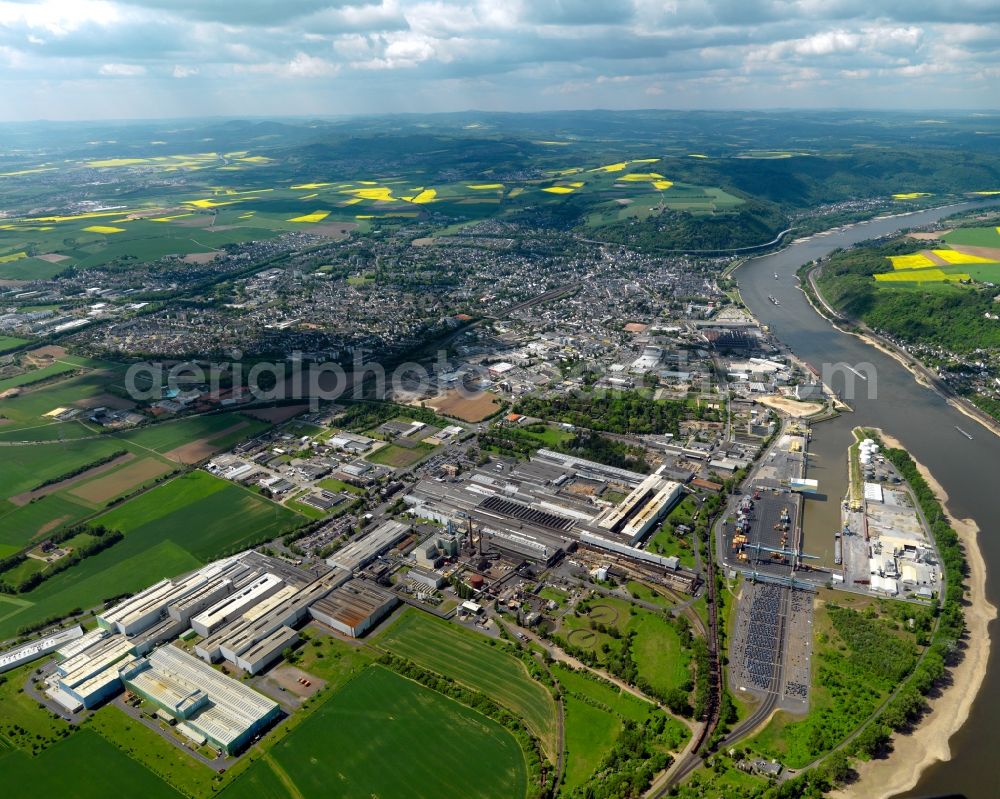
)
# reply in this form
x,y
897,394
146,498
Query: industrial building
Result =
x,y
642,509
36,649
538,509
233,607
354,608
363,551
206,704
238,637
267,650
90,676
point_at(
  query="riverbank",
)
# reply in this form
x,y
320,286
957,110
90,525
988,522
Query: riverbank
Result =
x,y
928,743
921,374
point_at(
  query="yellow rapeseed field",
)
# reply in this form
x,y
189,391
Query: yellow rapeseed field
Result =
x,y
611,167
104,229
315,216
912,195
645,177
918,276
425,196
662,185
916,261
955,257
74,217
210,203
485,186
14,256
559,190
28,171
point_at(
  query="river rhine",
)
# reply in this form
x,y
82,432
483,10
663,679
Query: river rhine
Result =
x,y
969,471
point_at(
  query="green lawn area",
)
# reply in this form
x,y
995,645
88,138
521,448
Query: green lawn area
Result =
x,y
667,541
83,766
590,733
331,659
553,595
646,593
656,648
170,763
383,735
658,653
202,513
18,709
624,704
543,435
333,484
470,659
670,544
400,457
729,782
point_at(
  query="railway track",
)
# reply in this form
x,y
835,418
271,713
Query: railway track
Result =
x,y
694,756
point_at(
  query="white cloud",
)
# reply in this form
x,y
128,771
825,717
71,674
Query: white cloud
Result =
x,y
515,52
121,70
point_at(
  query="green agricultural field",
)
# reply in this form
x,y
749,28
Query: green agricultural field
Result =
x,y
590,733
28,409
31,269
37,375
168,436
974,237
19,526
130,565
982,273
383,735
8,343
90,765
168,530
24,468
203,514
468,658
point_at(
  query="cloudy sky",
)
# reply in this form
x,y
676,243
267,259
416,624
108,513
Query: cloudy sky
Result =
x,y
89,59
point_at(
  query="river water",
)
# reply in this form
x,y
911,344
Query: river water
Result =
x,y
969,471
